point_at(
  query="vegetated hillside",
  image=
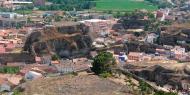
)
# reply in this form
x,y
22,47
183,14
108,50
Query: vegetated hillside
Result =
x,y
75,85
124,5
66,41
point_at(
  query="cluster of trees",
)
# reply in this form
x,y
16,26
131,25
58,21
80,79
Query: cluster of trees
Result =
x,y
103,64
55,57
69,5
165,93
160,3
9,70
135,20
146,90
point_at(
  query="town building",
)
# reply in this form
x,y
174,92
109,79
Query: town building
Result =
x,y
39,2
10,19
162,13
179,53
147,57
151,38
32,75
38,60
74,65
158,58
98,25
122,58
14,4
135,56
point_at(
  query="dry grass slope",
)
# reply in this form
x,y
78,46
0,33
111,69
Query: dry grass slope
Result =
x,y
75,85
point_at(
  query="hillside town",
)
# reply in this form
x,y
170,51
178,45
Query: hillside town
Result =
x,y
150,48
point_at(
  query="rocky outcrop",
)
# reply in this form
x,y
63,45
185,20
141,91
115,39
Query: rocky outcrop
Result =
x,y
174,37
66,41
142,47
161,75
187,69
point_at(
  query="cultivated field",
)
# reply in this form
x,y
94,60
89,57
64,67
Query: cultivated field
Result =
x,y
123,5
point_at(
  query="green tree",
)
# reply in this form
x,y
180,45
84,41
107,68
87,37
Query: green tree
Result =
x,y
143,86
18,25
103,63
16,92
118,14
54,57
57,18
29,20
110,12
164,93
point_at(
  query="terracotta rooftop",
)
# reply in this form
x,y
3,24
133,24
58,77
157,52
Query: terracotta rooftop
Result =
x,y
55,62
135,54
38,59
2,49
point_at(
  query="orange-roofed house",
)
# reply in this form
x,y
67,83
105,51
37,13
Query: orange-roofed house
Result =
x,y
3,34
9,47
145,17
2,49
179,52
136,56
159,14
38,59
55,62
147,57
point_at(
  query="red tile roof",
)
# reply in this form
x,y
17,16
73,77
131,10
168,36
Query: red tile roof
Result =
x,y
2,49
38,59
55,62
135,54
159,14
10,46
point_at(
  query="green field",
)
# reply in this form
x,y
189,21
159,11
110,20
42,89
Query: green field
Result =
x,y
123,5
